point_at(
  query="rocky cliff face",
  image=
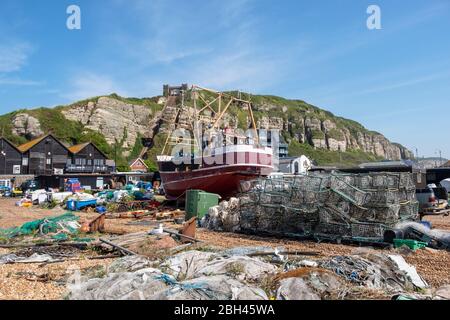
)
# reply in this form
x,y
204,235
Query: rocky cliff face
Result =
x,y
331,135
325,134
26,126
116,120
119,121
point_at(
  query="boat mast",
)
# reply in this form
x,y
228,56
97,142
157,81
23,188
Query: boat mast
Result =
x,y
219,102
220,95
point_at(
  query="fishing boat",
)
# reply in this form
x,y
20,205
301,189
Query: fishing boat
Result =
x,y
226,157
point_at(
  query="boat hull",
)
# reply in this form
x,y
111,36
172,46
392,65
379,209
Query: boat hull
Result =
x,y
224,180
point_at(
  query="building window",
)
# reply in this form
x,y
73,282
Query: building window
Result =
x,y
80,162
25,161
49,161
89,162
99,162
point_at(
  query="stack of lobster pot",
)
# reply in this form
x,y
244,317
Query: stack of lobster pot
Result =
x,y
344,206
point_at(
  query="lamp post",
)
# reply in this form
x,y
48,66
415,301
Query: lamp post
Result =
x,y
416,156
439,153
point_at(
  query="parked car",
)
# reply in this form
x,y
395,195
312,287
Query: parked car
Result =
x,y
29,185
427,198
431,197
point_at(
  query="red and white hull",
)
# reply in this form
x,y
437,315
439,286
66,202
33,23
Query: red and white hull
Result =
x,y
233,165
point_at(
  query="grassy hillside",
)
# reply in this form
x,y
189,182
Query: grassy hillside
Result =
x,y
72,132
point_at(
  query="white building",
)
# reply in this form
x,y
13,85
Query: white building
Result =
x,y
293,165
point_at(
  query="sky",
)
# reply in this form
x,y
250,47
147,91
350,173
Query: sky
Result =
x,y
394,80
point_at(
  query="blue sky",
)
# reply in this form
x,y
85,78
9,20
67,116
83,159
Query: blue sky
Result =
x,y
395,80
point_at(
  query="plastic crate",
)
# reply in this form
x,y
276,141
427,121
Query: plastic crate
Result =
x,y
412,244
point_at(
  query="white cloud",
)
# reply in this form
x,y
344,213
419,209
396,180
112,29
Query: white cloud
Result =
x,y
87,84
215,43
13,56
19,82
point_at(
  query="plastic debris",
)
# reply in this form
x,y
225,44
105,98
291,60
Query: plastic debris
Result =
x,y
188,263
35,258
410,271
129,264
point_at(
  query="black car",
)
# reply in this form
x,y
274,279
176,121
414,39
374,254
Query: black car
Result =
x,y
29,185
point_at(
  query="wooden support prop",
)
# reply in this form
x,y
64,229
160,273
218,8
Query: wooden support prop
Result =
x,y
253,122
223,112
181,235
118,247
208,104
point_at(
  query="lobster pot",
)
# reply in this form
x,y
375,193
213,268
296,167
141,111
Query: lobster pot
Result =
x,y
348,191
329,215
360,230
407,195
306,229
343,207
251,185
407,180
387,215
299,228
357,213
305,207
248,217
329,197
385,181
382,198
330,205
339,205
363,181
304,197
409,211
269,218
251,198
298,216
291,220
348,179
332,230
276,186
308,182
266,198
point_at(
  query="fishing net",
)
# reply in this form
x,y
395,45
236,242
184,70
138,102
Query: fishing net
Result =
x,y
65,224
